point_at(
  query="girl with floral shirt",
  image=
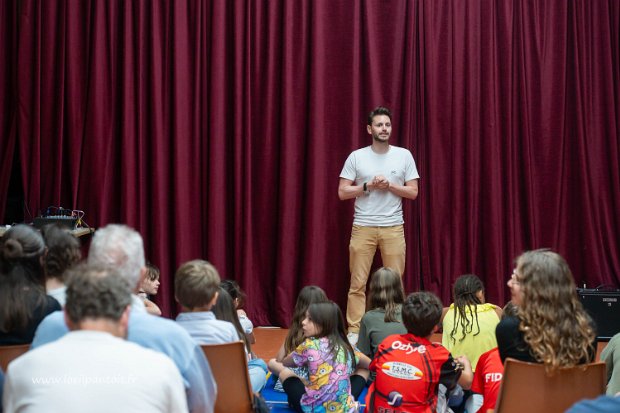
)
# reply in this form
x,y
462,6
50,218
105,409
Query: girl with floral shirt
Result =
x,y
337,373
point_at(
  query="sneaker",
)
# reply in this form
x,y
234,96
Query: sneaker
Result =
x,y
353,337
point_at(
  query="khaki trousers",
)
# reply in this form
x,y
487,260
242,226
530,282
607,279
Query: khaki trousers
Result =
x,y
362,248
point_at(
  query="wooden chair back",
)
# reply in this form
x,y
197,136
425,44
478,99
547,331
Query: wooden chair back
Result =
x,y
9,353
526,387
230,368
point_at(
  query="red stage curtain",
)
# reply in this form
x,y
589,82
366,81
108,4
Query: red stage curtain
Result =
x,y
8,52
218,129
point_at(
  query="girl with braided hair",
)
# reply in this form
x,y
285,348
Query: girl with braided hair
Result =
x,y
469,323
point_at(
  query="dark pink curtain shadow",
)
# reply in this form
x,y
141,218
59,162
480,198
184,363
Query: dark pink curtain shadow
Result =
x,y
8,52
218,129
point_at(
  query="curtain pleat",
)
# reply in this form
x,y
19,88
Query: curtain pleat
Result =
x,y
219,128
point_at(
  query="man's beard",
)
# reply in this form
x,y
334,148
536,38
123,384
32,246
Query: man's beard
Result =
x,y
377,138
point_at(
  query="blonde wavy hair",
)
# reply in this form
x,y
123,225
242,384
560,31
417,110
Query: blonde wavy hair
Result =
x,y
554,324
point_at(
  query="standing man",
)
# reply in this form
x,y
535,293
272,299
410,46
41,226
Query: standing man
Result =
x,y
378,177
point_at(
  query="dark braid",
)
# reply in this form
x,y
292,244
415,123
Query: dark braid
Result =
x,y
465,289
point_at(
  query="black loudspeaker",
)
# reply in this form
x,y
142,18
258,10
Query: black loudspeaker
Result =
x,y
604,308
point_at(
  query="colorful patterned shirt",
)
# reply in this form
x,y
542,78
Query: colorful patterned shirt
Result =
x,y
329,387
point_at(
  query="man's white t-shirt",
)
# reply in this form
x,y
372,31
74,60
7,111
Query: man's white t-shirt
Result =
x,y
379,208
93,371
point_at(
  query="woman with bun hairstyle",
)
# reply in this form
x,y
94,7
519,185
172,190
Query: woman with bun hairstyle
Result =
x,y
23,302
62,252
551,326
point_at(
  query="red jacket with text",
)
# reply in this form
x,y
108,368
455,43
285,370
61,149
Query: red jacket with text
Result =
x,y
409,371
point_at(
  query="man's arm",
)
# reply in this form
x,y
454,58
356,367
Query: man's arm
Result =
x,y
346,189
409,190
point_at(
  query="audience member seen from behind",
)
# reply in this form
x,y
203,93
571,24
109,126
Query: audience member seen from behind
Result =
x,y
411,371
62,252
488,375
337,373
121,247
224,309
383,316
308,295
238,297
551,326
149,287
23,301
196,288
102,371
611,357
469,324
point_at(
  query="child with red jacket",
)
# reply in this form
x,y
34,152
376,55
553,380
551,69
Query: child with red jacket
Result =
x,y
413,374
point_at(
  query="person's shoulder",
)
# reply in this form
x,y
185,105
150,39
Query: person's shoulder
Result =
x,y
51,304
615,340
144,327
37,356
400,150
374,314
50,329
602,404
308,342
224,325
54,319
507,324
489,307
487,355
510,321
364,150
147,355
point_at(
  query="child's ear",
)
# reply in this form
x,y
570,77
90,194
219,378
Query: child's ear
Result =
x,y
435,329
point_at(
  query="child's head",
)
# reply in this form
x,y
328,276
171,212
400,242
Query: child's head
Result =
x,y
468,292
325,317
326,320
421,313
150,284
468,289
236,293
62,251
308,295
386,292
224,309
196,285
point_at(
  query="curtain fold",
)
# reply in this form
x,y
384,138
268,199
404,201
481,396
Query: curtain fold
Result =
x,y
218,129
8,53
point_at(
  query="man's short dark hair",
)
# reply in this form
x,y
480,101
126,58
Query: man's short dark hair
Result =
x,y
96,292
421,313
379,110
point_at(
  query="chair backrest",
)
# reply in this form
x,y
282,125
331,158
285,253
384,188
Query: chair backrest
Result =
x,y
230,368
526,387
9,353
